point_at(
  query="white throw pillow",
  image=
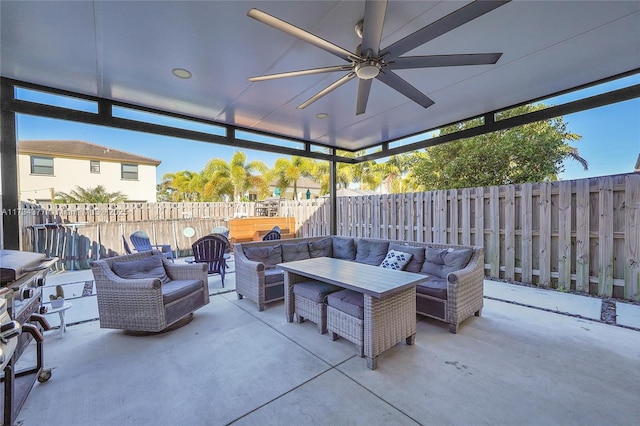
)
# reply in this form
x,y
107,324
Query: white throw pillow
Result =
x,y
396,260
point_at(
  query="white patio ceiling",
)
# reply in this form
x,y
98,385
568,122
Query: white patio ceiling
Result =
x,y
125,51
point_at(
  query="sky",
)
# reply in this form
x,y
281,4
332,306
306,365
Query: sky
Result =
x,y
610,138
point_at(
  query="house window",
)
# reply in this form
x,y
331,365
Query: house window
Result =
x,y
94,166
129,171
41,165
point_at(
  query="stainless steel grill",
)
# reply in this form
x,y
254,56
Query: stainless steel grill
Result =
x,y
22,276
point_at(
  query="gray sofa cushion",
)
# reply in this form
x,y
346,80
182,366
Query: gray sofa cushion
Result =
x,y
396,260
177,289
321,248
315,291
348,301
371,252
415,264
295,251
440,262
269,255
343,248
435,287
149,267
274,275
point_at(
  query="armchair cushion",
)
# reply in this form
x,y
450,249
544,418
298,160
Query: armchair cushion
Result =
x,y
440,262
344,248
149,267
321,248
417,258
272,276
371,252
396,260
270,255
295,251
177,289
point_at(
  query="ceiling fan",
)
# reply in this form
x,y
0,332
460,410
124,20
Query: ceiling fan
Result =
x,y
370,61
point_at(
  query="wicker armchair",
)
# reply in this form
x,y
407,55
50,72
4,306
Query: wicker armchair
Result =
x,y
464,291
148,304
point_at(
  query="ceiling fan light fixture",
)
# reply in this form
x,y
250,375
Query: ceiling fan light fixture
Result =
x,y
367,70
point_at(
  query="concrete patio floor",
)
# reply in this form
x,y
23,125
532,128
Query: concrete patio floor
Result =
x,y
515,365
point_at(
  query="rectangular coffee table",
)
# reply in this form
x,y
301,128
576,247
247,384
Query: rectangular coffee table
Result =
x,y
389,298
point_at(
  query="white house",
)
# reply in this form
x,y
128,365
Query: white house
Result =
x,y
49,166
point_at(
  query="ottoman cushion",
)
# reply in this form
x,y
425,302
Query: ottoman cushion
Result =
x,y
348,301
315,291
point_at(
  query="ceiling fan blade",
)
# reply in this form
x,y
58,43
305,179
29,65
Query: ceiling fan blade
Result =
x,y
441,26
290,29
327,90
374,12
301,72
395,82
364,88
432,61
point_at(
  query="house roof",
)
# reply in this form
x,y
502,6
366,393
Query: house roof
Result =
x,y
81,150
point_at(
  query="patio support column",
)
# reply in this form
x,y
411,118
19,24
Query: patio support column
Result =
x,y
9,165
333,223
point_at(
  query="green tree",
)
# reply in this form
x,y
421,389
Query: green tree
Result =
x,y
234,178
530,153
396,172
217,177
321,174
183,186
98,194
366,174
287,172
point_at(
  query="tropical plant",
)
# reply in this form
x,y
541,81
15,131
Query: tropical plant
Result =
x,y
183,186
217,177
89,195
321,174
236,177
286,173
396,173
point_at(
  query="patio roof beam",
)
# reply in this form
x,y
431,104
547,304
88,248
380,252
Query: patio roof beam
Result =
x,y
491,125
105,117
101,119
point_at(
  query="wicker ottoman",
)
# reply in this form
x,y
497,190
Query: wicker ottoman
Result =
x,y
310,298
345,317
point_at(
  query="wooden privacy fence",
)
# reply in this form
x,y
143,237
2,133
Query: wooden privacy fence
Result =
x,y
581,235
136,212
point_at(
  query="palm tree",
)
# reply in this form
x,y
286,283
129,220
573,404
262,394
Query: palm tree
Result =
x,y
287,172
220,177
184,185
320,174
396,172
217,178
98,194
364,174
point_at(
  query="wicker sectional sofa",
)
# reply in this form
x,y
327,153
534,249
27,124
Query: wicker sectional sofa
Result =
x,y
453,293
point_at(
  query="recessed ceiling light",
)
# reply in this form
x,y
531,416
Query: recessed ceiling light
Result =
x,y
181,73
322,115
